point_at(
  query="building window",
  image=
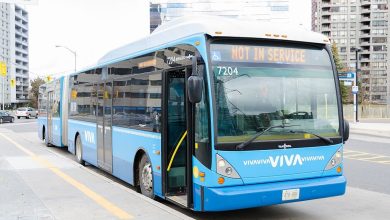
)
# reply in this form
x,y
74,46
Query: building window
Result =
x,y
141,108
379,48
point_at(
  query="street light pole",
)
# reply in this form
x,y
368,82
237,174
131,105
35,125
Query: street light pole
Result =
x,y
75,56
356,96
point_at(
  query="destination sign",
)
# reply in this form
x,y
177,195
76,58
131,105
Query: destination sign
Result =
x,y
269,54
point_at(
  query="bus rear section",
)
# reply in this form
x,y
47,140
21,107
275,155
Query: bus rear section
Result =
x,y
52,112
278,126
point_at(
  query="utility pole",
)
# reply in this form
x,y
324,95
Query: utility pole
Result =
x,y
356,94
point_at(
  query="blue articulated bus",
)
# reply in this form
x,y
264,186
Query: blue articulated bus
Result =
x,y
209,113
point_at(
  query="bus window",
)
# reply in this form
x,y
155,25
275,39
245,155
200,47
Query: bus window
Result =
x,y
137,102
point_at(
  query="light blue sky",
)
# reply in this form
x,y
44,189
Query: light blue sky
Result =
x,y
94,27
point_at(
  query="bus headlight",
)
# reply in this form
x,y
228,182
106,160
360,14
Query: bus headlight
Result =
x,y
225,169
335,160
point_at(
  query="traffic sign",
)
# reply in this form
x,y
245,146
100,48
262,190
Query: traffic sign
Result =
x,y
347,75
355,89
347,83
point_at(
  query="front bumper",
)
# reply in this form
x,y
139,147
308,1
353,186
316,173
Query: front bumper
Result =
x,y
249,196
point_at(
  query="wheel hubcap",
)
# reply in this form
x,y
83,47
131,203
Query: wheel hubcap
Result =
x,y
146,177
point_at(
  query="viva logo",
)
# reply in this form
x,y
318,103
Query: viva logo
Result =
x,y
89,137
283,160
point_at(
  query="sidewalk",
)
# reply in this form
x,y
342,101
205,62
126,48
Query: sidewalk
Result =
x,y
381,129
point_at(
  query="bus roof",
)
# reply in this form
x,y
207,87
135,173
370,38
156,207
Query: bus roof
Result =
x,y
215,26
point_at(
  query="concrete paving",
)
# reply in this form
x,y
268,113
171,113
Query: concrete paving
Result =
x,y
32,191
380,129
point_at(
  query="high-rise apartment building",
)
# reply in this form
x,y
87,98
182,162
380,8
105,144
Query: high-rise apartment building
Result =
x,y
362,24
14,52
314,14
269,10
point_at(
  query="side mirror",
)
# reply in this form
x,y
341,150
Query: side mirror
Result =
x,y
195,88
195,83
346,130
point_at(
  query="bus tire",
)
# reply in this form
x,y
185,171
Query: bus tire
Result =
x,y
43,133
145,177
44,137
78,150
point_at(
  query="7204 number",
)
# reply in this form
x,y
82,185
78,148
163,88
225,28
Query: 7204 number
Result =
x,y
227,71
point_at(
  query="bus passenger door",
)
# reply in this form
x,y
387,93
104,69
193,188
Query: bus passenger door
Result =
x,y
175,140
103,123
50,103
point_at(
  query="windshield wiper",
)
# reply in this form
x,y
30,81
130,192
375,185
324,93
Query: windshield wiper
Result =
x,y
325,139
244,144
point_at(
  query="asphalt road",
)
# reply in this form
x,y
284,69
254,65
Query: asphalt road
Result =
x,y
367,163
37,182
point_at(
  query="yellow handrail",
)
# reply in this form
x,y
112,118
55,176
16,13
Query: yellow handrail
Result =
x,y
176,148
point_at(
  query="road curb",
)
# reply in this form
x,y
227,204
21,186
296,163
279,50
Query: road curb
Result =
x,y
362,132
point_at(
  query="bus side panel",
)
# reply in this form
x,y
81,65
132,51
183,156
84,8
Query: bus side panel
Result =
x,y
56,132
42,122
72,130
125,144
87,131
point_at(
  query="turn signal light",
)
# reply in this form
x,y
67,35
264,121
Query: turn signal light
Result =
x,y
221,180
202,174
338,169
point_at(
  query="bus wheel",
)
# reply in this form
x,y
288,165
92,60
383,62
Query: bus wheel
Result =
x,y
145,177
79,148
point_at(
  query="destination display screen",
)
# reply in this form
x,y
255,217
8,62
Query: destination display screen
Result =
x,y
268,54
260,86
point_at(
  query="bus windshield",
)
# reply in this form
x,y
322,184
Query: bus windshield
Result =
x,y
261,86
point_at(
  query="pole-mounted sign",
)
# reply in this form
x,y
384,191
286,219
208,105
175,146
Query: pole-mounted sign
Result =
x,y
355,89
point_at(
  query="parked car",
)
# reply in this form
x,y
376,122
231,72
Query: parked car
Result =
x,y
26,112
5,116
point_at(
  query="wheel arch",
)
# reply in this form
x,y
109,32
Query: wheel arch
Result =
x,y
137,158
75,139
